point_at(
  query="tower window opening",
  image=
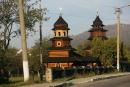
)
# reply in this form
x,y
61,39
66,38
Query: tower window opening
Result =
x,y
64,33
59,33
55,33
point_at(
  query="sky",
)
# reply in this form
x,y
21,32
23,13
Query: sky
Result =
x,y
79,14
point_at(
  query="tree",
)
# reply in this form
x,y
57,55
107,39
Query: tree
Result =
x,y
12,65
126,53
96,47
82,47
108,52
9,18
104,50
14,61
34,58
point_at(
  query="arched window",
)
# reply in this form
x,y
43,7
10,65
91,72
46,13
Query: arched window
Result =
x,y
59,33
55,33
64,33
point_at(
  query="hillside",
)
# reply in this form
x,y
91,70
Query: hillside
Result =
x,y
124,32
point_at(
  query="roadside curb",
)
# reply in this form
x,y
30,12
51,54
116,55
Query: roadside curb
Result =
x,y
108,77
67,84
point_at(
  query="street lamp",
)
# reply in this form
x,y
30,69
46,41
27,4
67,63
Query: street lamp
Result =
x,y
118,11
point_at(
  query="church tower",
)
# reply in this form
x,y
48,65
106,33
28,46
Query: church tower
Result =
x,y
61,37
61,54
97,29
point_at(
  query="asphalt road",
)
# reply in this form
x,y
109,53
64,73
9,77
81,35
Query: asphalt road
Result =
x,y
123,81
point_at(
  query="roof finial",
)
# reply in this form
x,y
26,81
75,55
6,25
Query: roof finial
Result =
x,y
97,11
60,11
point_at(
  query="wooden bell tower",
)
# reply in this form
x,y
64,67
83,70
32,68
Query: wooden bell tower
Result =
x,y
97,29
61,38
61,50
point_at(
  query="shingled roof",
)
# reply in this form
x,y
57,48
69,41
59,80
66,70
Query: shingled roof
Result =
x,y
61,21
98,22
60,24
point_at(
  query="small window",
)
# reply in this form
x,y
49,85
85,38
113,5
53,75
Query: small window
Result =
x,y
64,34
58,43
55,33
59,33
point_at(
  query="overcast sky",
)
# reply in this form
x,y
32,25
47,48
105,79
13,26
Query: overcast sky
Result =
x,y
79,14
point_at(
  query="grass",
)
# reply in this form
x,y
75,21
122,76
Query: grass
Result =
x,y
14,82
19,81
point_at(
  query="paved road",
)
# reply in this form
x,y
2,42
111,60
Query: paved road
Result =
x,y
123,81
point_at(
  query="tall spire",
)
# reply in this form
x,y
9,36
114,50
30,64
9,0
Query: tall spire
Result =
x,y
97,21
97,12
60,12
60,20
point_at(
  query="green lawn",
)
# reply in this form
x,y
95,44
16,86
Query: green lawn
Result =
x,y
18,81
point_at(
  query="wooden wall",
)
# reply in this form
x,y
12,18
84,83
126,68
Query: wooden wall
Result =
x,y
58,53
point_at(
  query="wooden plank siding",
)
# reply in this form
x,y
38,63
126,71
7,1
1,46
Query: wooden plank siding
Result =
x,y
58,53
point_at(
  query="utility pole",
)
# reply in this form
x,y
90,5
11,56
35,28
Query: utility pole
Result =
x,y
23,41
118,11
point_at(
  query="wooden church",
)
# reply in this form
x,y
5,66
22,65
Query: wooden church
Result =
x,y
61,54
